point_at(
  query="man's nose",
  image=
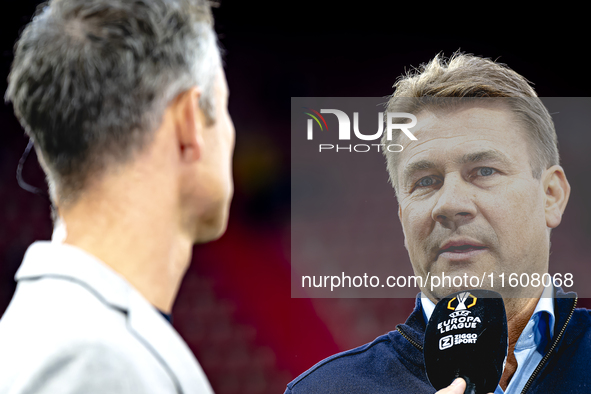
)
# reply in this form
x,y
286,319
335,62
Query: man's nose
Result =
x,y
455,202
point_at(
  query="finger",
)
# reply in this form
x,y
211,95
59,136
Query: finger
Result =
x,y
456,387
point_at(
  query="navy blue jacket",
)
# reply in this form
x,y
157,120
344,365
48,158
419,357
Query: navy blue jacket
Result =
x,y
393,363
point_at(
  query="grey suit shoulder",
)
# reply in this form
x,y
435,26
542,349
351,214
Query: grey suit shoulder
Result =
x,y
75,326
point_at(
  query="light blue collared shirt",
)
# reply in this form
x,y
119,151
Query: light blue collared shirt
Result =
x,y
529,349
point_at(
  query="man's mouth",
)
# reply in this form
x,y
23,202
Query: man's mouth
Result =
x,y
459,249
462,249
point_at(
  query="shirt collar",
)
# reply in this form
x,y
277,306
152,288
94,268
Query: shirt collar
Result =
x,y
545,304
428,307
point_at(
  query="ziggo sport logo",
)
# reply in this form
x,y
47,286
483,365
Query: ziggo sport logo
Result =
x,y
345,130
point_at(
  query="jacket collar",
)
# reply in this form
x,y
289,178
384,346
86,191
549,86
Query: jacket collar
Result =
x,y
51,259
564,303
165,343
415,325
56,260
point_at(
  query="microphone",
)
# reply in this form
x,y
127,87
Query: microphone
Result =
x,y
467,337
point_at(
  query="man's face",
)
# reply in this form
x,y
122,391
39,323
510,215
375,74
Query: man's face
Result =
x,y
468,201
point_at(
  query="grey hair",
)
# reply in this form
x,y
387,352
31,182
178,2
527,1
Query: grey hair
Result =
x,y
466,79
91,79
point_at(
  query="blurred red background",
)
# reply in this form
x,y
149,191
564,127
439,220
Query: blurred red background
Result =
x,y
234,308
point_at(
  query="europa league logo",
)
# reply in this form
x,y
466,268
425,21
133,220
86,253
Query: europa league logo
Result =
x,y
462,297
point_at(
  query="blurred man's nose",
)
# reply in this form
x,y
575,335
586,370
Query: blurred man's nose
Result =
x,y
454,204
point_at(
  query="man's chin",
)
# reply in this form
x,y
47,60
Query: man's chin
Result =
x,y
220,231
212,227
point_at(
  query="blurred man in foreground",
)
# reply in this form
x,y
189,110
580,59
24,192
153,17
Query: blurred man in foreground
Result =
x,y
479,192
126,103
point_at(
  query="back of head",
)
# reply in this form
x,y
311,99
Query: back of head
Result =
x,y
464,79
91,79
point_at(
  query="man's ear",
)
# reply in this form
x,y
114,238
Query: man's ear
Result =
x,y
189,124
557,191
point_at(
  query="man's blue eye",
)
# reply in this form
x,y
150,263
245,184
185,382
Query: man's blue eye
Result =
x,y
486,171
425,182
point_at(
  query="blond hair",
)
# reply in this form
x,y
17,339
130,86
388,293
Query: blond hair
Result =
x,y
466,78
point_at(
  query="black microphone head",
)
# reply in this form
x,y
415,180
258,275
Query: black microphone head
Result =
x,y
467,337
